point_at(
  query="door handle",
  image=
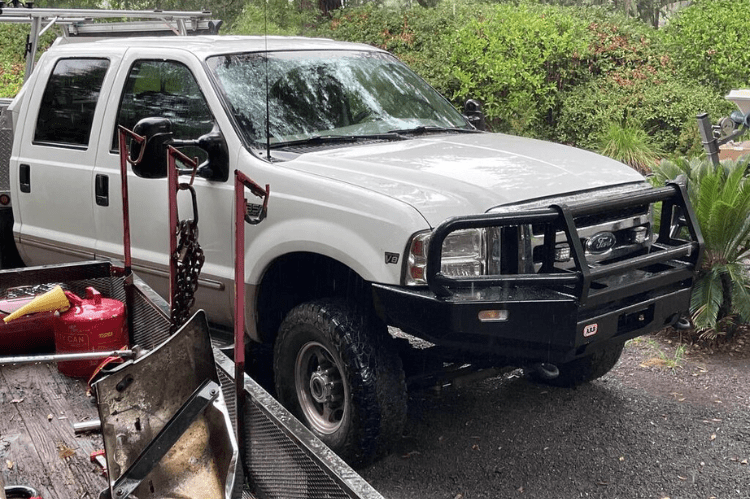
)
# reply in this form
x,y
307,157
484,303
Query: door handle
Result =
x,y
24,178
101,189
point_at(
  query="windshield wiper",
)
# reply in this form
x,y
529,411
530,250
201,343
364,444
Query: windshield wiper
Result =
x,y
336,139
422,129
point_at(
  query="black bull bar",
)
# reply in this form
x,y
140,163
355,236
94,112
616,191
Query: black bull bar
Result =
x,y
554,315
667,247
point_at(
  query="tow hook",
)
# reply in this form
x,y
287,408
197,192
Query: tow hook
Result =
x,y
543,370
682,323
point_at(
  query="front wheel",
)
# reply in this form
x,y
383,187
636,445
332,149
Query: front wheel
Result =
x,y
335,368
585,369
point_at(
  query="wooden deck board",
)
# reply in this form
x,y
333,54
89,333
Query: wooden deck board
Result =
x,y
38,446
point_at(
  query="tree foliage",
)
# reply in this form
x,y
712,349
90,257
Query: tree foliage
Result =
x,y
553,72
710,40
276,17
418,35
516,60
663,106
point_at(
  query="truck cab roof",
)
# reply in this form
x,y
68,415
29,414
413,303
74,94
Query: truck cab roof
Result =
x,y
208,45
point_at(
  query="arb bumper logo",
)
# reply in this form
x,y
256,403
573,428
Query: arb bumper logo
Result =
x,y
590,330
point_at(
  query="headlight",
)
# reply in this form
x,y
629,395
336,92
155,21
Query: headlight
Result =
x,y
464,254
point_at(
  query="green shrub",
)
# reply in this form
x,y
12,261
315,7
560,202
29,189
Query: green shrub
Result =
x,y
720,196
13,56
709,41
11,78
629,144
516,60
559,73
635,80
418,36
664,106
274,17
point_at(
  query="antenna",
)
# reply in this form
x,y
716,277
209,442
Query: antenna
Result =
x,y
268,118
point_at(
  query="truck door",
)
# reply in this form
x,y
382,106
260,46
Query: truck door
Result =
x,y
52,185
159,87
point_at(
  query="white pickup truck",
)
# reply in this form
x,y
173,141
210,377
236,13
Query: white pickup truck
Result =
x,y
387,208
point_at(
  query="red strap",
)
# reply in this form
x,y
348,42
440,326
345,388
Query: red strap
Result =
x,y
106,362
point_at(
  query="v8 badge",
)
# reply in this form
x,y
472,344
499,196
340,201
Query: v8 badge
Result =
x,y
590,330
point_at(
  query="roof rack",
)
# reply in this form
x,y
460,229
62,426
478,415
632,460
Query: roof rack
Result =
x,y
80,24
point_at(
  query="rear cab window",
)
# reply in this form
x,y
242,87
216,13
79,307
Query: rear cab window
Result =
x,y
66,113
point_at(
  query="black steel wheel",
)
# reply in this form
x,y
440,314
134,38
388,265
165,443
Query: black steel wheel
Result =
x,y
336,370
584,369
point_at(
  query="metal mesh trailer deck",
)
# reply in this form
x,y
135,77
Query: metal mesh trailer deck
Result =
x,y
282,458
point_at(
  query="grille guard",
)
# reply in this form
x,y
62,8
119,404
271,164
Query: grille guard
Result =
x,y
685,255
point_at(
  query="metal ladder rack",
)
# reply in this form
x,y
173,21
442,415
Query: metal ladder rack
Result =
x,y
81,24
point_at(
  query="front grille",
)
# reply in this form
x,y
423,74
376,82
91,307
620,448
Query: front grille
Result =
x,y
620,224
609,217
601,218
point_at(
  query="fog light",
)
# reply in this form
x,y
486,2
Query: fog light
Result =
x,y
562,252
639,235
493,315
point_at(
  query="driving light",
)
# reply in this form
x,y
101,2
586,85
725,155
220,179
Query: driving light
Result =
x,y
493,315
639,235
562,252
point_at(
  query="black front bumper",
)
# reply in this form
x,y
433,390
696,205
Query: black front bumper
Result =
x,y
553,316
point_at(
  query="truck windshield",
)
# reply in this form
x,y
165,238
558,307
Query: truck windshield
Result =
x,y
328,94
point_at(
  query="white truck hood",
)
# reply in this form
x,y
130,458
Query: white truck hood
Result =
x,y
461,174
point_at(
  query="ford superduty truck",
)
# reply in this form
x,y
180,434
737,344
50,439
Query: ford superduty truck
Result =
x,y
388,211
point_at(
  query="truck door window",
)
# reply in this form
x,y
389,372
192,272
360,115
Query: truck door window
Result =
x,y
165,89
67,109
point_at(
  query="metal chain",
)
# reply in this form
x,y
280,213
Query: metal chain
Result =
x,y
190,258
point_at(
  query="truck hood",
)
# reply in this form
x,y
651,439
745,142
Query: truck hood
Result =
x,y
460,174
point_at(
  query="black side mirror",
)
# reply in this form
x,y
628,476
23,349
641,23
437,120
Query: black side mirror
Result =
x,y
473,112
158,133
216,166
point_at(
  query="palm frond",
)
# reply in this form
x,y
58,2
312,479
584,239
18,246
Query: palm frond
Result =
x,y
740,290
706,300
720,226
721,200
707,195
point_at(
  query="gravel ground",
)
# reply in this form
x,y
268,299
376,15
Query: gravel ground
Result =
x,y
665,423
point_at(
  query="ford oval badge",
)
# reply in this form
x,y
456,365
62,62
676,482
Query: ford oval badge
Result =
x,y
601,242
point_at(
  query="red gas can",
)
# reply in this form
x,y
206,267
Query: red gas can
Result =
x,y
94,324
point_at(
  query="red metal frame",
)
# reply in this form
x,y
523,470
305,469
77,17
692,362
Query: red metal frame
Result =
x,y
173,155
242,181
124,133
240,203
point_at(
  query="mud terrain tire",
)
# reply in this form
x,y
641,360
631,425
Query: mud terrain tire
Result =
x,y
337,371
